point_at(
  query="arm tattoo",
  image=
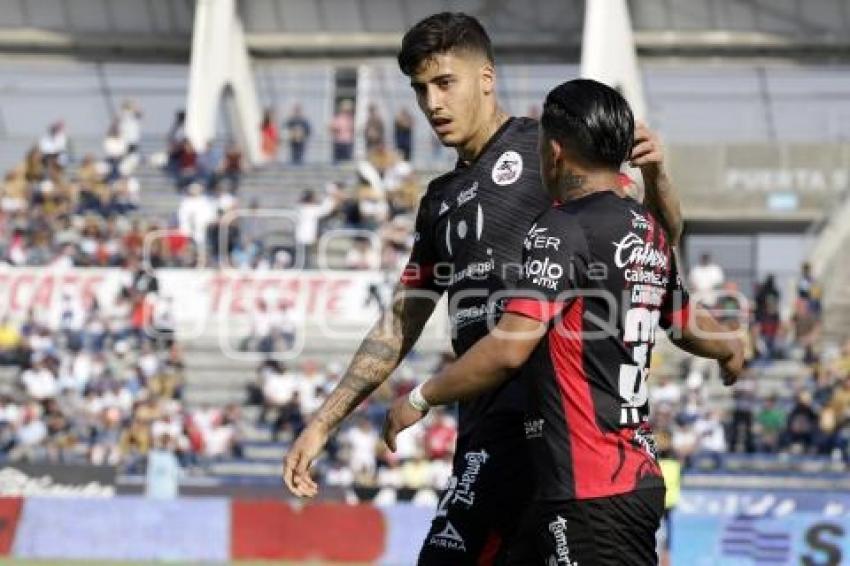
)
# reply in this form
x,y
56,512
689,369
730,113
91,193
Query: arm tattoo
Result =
x,y
383,349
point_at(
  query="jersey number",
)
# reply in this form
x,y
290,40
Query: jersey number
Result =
x,y
639,331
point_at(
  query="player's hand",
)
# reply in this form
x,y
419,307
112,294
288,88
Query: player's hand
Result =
x,y
647,151
732,367
300,458
401,415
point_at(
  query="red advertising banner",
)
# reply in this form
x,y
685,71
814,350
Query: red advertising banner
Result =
x,y
10,512
277,531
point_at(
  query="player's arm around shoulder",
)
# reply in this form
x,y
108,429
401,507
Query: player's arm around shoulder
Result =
x,y
661,197
492,361
700,334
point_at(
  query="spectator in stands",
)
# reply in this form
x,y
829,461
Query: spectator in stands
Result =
x,y
767,318
195,213
310,211
15,192
440,436
269,136
802,425
705,279
374,131
175,139
232,167
39,381
372,206
115,148
30,436
744,405
311,386
11,342
54,145
130,126
284,326
403,134
35,170
362,442
163,470
665,393
260,338
806,329
298,134
135,443
342,132
363,255
770,424
209,161
222,240
187,165
839,404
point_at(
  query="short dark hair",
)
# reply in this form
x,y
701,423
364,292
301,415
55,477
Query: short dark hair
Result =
x,y
442,33
590,119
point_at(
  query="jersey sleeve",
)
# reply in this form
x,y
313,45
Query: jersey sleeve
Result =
x,y
419,273
555,260
675,309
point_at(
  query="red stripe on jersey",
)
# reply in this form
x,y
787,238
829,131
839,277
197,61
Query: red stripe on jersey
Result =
x,y
487,556
417,276
604,463
544,311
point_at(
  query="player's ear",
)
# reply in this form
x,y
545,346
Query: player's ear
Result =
x,y
556,150
488,78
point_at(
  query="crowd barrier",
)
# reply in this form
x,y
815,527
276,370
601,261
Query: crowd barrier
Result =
x,y
729,527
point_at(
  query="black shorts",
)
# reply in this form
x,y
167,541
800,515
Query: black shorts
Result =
x,y
608,531
478,516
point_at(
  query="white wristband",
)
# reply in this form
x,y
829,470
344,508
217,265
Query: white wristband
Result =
x,y
417,401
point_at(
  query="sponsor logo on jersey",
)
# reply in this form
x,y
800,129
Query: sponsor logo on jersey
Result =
x,y
632,250
639,221
449,539
477,270
467,195
645,440
645,276
537,239
466,316
507,169
558,529
534,429
462,229
464,492
545,273
444,208
647,295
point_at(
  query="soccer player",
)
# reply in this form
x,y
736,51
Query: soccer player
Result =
x,y
469,232
598,280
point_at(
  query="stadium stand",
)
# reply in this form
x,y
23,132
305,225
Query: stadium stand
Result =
x,y
800,355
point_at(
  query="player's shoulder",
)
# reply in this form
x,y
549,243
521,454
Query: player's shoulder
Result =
x,y
437,185
524,126
562,222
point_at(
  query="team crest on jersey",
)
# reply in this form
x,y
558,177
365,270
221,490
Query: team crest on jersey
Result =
x,y
508,168
639,221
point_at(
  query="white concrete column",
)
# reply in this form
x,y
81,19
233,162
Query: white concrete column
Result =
x,y
220,58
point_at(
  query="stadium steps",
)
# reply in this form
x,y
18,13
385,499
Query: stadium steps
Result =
x,y
273,187
264,451
246,468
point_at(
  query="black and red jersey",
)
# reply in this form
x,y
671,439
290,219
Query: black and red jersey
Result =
x,y
468,243
600,271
